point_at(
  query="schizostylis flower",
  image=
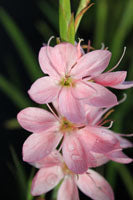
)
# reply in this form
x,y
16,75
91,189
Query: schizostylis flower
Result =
x,y
53,170
73,77
79,142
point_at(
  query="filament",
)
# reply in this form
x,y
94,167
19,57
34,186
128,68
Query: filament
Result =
x,y
52,111
119,60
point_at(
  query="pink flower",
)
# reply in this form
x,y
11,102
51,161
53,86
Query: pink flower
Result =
x,y
74,77
94,118
53,170
80,143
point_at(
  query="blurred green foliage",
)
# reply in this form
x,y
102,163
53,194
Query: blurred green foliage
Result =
x,y
108,22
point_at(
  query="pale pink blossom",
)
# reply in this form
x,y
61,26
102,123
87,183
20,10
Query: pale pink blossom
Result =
x,y
79,142
74,76
94,118
53,170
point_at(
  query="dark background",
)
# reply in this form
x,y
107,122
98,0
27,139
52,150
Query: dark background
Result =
x,y
28,16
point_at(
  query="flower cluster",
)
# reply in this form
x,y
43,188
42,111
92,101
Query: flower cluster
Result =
x,y
66,142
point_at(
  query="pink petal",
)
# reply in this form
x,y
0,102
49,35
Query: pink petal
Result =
x,y
45,63
124,85
100,112
111,78
95,186
119,156
100,159
124,143
98,140
74,155
70,107
82,90
51,160
103,97
45,180
64,56
36,119
44,90
68,190
91,64
92,113
40,145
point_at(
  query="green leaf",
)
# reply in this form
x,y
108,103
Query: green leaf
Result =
x,y
28,194
50,13
21,44
119,114
13,93
44,29
64,19
71,30
55,191
12,124
101,20
12,71
83,7
125,25
126,177
116,168
111,174
19,173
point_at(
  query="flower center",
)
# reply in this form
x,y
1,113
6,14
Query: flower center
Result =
x,y
66,125
65,170
67,82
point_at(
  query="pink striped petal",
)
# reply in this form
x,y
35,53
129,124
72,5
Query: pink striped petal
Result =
x,y
68,190
36,119
95,186
40,145
82,90
44,90
45,63
100,159
70,107
92,113
124,143
74,155
124,85
111,78
91,64
119,156
45,180
98,140
64,56
103,97
51,160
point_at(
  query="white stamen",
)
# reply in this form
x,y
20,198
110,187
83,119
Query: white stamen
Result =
x,y
96,120
48,54
111,124
80,40
52,111
50,40
123,99
102,46
118,61
79,48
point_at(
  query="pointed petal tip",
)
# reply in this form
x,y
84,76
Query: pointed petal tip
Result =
x,y
39,145
44,90
35,119
95,186
103,97
46,179
119,156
